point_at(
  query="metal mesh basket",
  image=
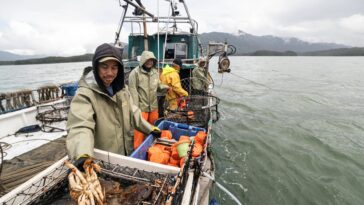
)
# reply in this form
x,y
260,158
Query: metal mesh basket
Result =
x,y
43,189
196,86
195,110
52,114
53,188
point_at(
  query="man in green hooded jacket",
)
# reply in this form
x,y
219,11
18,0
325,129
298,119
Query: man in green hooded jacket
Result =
x,y
102,113
201,78
143,85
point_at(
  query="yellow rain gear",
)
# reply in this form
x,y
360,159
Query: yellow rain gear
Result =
x,y
171,78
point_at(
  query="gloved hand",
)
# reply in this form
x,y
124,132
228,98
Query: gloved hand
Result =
x,y
156,132
80,161
182,103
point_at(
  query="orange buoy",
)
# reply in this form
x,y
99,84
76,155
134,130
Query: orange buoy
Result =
x,y
166,156
197,150
174,153
153,150
173,161
157,158
166,134
155,154
190,115
200,137
184,138
162,147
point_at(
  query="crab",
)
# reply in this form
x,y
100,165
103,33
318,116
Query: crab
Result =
x,y
85,188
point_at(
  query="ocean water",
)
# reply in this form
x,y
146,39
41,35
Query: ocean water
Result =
x,y
291,129
16,77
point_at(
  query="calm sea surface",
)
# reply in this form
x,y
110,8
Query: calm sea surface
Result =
x,y
291,129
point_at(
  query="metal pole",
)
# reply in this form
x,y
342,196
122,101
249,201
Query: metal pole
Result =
x,y
158,38
188,14
121,24
145,33
141,8
165,38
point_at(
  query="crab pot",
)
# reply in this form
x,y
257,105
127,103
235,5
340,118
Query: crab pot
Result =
x,y
193,110
123,185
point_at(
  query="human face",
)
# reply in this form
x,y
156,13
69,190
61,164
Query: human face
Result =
x,y
175,66
149,63
108,71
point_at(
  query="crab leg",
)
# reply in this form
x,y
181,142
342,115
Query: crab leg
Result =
x,y
72,179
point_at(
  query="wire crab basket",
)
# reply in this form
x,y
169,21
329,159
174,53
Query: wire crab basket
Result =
x,y
48,115
53,112
197,86
133,185
195,110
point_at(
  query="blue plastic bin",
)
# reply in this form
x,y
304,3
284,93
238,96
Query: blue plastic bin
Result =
x,y
70,89
177,130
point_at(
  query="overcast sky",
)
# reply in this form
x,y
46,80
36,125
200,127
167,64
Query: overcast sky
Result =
x,y
71,27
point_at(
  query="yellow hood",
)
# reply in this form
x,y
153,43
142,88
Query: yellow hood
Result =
x,y
168,69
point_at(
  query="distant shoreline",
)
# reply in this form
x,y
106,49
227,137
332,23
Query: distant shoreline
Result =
x,y
355,51
51,59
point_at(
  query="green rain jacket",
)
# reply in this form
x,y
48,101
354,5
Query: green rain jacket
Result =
x,y
200,79
144,85
98,120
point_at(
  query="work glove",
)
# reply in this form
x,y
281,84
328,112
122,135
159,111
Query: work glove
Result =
x,y
156,132
80,161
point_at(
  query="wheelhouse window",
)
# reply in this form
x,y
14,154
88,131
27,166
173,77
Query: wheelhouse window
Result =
x,y
176,50
134,51
181,50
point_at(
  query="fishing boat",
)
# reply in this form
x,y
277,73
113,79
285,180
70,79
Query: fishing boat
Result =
x,y
43,114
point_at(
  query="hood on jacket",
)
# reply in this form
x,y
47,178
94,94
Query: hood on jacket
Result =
x,y
168,69
201,60
107,50
146,55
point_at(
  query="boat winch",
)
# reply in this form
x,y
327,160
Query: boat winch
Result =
x,y
224,64
223,50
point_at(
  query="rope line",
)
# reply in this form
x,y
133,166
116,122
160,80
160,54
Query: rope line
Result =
x,y
251,81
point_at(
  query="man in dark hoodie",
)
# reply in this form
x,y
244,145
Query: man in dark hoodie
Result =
x,y
102,113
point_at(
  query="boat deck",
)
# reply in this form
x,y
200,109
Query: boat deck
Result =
x,y
15,145
23,167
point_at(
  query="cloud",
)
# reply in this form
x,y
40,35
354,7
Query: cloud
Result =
x,y
346,30
68,28
57,39
75,27
354,23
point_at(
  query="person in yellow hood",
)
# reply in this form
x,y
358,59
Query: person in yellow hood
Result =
x,y
143,85
170,77
102,113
